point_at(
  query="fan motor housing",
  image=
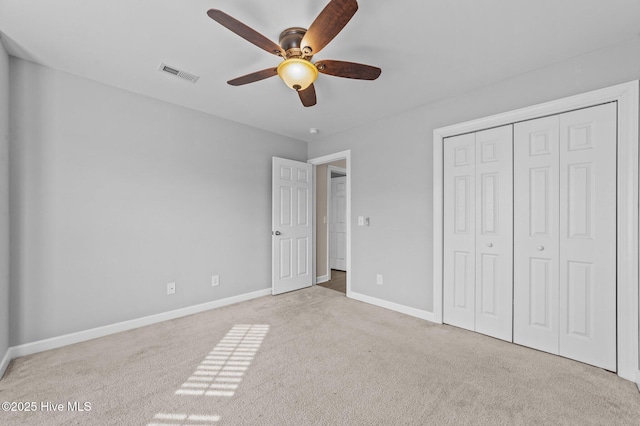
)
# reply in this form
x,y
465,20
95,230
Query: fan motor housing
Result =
x,y
290,40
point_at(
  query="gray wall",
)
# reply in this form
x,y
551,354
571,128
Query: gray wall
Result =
x,y
4,201
392,168
113,195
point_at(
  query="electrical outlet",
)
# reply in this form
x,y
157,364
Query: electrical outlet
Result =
x,y
215,280
171,288
379,279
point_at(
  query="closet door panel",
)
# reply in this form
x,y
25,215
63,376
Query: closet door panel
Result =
x,y
536,233
459,231
494,232
588,235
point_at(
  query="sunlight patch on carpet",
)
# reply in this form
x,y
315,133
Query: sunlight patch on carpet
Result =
x,y
184,419
219,373
226,363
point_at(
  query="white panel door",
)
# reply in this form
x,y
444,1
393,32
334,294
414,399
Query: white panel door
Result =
x,y
292,225
494,233
588,235
536,233
459,231
338,224
565,235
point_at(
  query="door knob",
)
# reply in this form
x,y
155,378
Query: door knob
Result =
x,y
540,248
278,233
489,244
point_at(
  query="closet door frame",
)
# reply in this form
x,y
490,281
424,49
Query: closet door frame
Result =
x,y
627,97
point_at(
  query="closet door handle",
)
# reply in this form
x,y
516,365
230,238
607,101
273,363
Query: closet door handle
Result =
x,y
489,244
540,248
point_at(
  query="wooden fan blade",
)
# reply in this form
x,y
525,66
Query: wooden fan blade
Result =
x,y
328,24
254,76
308,96
244,31
348,69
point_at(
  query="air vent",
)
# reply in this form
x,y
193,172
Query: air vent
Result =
x,y
179,73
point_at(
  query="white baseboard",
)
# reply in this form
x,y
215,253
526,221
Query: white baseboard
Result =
x,y
418,313
322,279
81,336
5,362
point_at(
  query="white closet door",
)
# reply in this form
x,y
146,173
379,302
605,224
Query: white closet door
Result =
x,y
588,235
536,233
494,233
459,231
565,235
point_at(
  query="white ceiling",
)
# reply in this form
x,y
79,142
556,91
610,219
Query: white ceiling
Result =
x,y
428,50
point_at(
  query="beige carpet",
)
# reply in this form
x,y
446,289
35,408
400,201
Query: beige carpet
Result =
x,y
313,357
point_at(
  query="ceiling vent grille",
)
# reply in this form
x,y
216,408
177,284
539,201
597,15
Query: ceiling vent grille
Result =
x,y
179,73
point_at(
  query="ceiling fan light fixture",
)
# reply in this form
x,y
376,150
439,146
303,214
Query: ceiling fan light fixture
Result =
x,y
297,73
296,48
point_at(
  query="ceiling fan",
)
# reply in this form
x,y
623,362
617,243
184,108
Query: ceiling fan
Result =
x,y
297,46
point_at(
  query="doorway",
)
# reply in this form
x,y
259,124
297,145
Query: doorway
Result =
x,y
332,230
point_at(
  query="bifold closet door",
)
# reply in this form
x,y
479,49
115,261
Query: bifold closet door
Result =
x,y
494,233
588,235
536,244
565,235
478,239
459,230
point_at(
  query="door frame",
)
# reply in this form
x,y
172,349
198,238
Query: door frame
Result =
x,y
329,170
627,97
329,158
